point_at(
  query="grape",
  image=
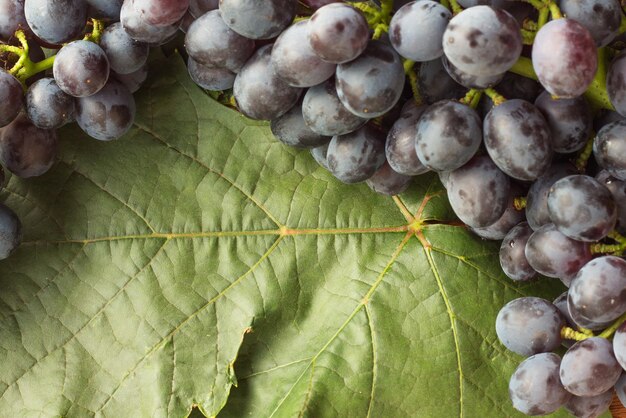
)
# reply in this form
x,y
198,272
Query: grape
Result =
x,y
589,406
140,30
356,156
199,7
478,192
620,389
600,17
609,148
388,182
295,62
47,106
323,112
161,12
535,388
125,55
582,208
448,135
320,155
468,80
58,21
564,57
419,42
133,81
26,150
569,120
400,144
81,68
108,114
618,190
616,83
259,92
619,345
11,98
482,41
561,304
435,83
517,138
210,78
512,256
10,231
291,129
338,33
510,218
553,254
529,326
537,198
12,17
372,84
211,43
258,19
589,367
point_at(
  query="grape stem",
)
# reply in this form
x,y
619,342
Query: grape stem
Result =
x,y
622,26
615,249
568,333
585,154
472,98
409,70
455,7
24,68
96,33
520,203
608,333
495,97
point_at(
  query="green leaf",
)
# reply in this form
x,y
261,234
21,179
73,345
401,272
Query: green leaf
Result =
x,y
199,262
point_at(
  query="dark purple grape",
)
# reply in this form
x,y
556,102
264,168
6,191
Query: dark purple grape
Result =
x,y
355,157
12,18
435,83
419,42
26,150
125,54
618,190
105,9
256,19
400,145
10,231
372,84
211,43
565,58
570,121
338,33
134,81
478,192
468,80
510,218
291,130
47,106
81,68
600,17
11,98
598,292
295,61
537,198
199,7
482,41
142,31
535,388
589,367
316,4
448,135
161,12
259,92
108,114
582,208
512,256
210,78
320,155
589,406
388,182
604,117
517,138
323,112
609,148
616,83
57,21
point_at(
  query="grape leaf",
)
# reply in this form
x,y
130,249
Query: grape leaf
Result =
x,y
199,262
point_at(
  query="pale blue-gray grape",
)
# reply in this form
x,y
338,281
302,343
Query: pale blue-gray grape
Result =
x,y
471,81
512,253
616,83
258,19
400,145
509,219
320,155
356,156
161,12
291,130
58,21
81,68
589,406
141,30
609,148
11,18
210,78
619,345
537,197
47,106
601,18
125,54
11,97
618,190
387,181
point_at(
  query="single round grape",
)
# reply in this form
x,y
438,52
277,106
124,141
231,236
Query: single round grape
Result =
x,y
570,121
582,208
600,17
618,190
589,367
295,62
108,114
512,256
10,231
435,83
616,83
11,98
291,130
199,7
419,42
535,388
619,345
468,80
125,54
211,43
356,156
106,9
26,150
57,21
12,18
161,12
140,30
210,78
553,254
258,19
47,106
478,192
324,113
529,325
620,389
537,198
609,148
388,182
517,138
259,92
133,81
372,84
400,144
448,135
81,68
338,33
483,41
589,406
598,292
564,57
320,155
